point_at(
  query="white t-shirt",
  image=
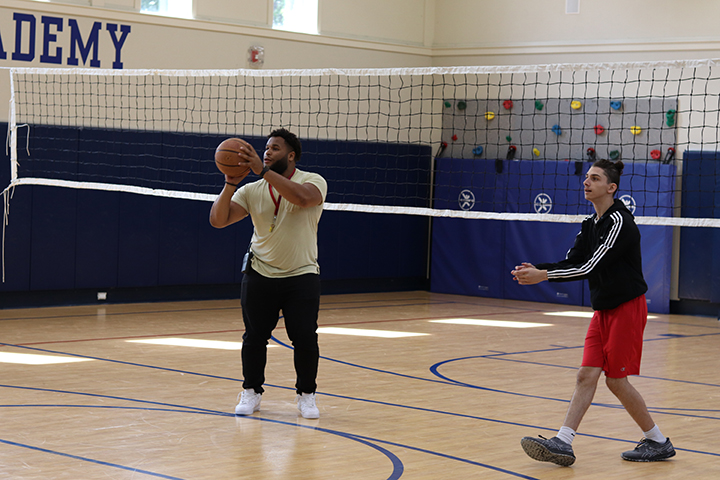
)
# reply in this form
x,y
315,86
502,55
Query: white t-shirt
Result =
x,y
290,249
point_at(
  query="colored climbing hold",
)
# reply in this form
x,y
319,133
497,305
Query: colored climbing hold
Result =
x,y
599,129
614,154
538,105
616,104
655,154
591,153
454,137
461,105
635,130
556,130
508,104
447,104
508,138
536,152
575,105
478,150
511,152
489,115
670,118
669,155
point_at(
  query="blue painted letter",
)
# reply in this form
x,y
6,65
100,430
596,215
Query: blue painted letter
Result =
x,y
125,29
49,38
76,40
21,18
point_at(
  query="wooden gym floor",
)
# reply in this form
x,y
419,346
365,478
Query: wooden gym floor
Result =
x,y
436,400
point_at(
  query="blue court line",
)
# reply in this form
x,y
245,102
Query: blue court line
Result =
x,y
397,464
119,314
494,357
452,382
89,460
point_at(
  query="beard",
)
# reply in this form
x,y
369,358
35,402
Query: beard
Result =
x,y
280,165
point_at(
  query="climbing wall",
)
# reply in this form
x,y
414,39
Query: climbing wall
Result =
x,y
560,129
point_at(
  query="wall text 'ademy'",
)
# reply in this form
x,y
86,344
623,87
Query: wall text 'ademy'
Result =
x,y
84,45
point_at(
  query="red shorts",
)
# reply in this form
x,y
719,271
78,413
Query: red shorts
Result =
x,y
614,339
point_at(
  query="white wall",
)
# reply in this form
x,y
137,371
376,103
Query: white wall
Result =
x,y
515,32
375,33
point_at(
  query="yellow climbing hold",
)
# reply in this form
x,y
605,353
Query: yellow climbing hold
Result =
x,y
489,115
536,152
635,130
575,105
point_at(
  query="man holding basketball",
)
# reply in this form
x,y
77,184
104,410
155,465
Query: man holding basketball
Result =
x,y
607,253
281,268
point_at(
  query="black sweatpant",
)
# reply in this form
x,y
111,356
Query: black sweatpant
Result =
x,y
262,299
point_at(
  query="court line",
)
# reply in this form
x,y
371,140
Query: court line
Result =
x,y
398,466
281,327
690,382
433,369
90,460
117,314
448,381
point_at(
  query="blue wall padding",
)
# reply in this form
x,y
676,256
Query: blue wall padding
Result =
x,y
365,245
64,239
53,241
467,257
462,247
656,247
540,242
700,247
97,239
490,189
525,179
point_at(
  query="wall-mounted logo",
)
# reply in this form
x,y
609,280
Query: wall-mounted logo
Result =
x,y
542,203
629,202
466,200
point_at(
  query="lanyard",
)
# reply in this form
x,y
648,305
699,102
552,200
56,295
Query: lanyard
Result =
x,y
276,202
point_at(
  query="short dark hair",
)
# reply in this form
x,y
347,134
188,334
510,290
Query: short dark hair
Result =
x,y
612,170
291,139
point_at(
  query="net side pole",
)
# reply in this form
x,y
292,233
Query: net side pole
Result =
x,y
12,131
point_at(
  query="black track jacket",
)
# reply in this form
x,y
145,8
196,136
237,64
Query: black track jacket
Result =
x,y
607,253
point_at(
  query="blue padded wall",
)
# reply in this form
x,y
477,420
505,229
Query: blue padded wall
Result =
x,y
700,247
475,257
61,239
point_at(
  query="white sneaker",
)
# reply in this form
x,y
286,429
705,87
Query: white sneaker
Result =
x,y
249,402
306,405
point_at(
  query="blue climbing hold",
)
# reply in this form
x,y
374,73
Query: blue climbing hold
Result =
x,y
616,104
556,130
478,150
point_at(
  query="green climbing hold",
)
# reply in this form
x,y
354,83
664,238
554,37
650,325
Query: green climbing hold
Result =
x,y
670,118
448,104
508,138
614,154
538,105
461,105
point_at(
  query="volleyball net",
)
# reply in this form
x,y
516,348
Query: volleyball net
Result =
x,y
506,143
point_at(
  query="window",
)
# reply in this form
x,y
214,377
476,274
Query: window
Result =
x,y
296,15
169,8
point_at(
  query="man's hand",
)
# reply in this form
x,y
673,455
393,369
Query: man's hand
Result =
x,y
527,274
248,156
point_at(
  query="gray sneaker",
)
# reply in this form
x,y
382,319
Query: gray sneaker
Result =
x,y
549,450
650,451
249,402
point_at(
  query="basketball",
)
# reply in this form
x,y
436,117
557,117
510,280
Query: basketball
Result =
x,y
226,158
